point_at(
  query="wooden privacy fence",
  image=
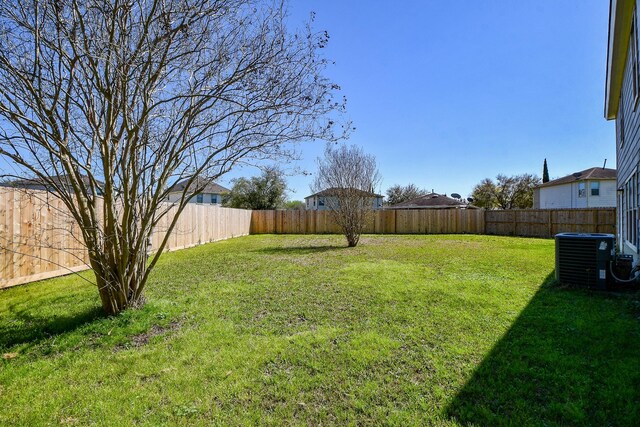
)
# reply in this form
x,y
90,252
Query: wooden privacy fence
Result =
x,y
527,222
549,222
424,221
40,239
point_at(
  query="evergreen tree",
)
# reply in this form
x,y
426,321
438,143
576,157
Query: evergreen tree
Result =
x,y
545,172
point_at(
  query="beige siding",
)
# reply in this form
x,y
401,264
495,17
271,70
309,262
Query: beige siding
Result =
x,y
607,197
557,197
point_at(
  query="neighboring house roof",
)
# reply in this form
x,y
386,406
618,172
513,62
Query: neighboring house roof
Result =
x,y
38,184
210,187
337,191
620,18
431,201
587,174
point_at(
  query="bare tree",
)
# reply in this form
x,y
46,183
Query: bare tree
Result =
x,y
346,180
119,99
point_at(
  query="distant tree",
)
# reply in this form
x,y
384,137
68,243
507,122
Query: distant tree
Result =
x,y
507,192
516,192
401,193
295,204
266,191
483,194
545,172
350,176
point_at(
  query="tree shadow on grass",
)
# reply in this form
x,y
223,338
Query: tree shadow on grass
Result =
x,y
300,250
570,358
26,328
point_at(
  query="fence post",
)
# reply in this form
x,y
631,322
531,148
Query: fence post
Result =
x,y
484,216
395,221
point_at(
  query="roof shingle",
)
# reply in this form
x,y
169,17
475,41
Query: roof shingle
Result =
x,y
587,174
210,187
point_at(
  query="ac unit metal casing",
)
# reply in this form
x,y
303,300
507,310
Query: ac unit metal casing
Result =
x,y
582,259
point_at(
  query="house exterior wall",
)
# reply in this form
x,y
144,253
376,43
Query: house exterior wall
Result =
x,y
206,198
566,196
627,162
557,197
607,198
323,203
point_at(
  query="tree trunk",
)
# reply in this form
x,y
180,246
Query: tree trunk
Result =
x,y
352,238
121,288
118,297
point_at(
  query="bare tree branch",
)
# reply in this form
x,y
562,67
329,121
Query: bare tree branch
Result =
x,y
120,99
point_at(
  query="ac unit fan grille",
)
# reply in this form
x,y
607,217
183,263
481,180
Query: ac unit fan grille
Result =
x,y
578,260
582,259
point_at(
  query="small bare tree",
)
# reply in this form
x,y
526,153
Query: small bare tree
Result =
x,y
116,100
346,180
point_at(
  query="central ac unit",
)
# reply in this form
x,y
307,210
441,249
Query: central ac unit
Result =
x,y
583,259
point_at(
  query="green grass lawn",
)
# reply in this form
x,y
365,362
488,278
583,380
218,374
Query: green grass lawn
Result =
x,y
272,330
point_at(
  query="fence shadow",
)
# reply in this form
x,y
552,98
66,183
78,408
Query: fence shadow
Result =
x,y
570,358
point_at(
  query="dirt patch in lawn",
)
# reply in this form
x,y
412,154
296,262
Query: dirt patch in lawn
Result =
x,y
143,338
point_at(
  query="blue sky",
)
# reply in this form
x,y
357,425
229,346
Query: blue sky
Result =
x,y
446,93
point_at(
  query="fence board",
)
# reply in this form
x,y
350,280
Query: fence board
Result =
x,y
5,259
40,239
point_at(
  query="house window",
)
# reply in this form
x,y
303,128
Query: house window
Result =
x,y
582,191
595,188
214,199
199,198
630,209
320,202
